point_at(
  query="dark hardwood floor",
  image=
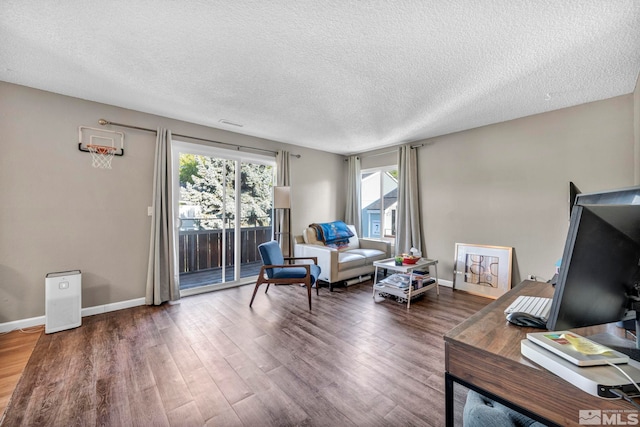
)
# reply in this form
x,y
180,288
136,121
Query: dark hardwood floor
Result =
x,y
211,360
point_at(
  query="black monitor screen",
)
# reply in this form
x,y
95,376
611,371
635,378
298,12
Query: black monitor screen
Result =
x,y
599,264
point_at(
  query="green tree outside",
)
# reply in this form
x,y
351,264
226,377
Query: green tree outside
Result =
x,y
209,183
188,168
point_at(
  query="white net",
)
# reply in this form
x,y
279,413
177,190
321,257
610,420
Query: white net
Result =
x,y
101,155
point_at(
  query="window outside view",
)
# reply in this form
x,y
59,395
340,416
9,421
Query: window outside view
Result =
x,y
379,193
209,218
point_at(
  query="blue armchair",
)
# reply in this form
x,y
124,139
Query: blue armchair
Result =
x,y
274,270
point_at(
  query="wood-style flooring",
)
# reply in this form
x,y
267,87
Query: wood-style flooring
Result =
x,y
211,360
15,350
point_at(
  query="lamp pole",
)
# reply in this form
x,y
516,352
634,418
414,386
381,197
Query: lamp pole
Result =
x,y
282,200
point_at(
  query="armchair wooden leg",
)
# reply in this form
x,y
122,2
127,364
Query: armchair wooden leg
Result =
x,y
255,290
309,292
265,291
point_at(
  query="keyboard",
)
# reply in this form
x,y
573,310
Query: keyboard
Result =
x,y
536,306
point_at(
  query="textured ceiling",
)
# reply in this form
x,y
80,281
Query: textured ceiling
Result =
x,y
343,76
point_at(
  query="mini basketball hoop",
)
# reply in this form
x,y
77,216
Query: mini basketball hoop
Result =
x,y
102,144
101,155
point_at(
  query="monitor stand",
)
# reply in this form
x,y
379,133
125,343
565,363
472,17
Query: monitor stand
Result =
x,y
601,381
625,346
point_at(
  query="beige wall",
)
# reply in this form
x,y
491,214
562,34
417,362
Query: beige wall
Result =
x,y
507,184
58,213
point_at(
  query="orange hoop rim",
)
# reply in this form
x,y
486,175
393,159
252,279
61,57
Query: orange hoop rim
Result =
x,y
102,149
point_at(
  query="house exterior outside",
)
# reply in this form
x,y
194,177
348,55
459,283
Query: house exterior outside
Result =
x,y
373,224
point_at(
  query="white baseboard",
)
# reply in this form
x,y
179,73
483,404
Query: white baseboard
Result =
x,y
21,324
447,283
114,306
89,311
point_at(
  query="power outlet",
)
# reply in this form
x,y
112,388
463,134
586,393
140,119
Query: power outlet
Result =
x,y
150,210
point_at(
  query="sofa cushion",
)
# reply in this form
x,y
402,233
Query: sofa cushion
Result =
x,y
354,242
348,260
298,273
310,238
370,254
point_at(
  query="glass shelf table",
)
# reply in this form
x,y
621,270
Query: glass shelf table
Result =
x,y
409,293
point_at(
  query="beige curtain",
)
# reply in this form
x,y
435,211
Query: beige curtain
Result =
x,y
162,278
408,224
281,216
353,209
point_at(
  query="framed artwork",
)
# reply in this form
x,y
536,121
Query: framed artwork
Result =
x,y
482,270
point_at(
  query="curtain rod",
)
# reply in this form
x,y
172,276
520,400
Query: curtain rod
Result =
x,y
413,147
105,122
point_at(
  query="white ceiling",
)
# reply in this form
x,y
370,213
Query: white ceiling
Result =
x,y
344,76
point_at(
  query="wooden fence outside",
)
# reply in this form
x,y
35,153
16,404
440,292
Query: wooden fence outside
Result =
x,y
202,249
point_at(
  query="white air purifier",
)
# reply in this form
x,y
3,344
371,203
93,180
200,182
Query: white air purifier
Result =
x,y
63,301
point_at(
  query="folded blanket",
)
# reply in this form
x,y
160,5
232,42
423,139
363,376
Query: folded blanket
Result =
x,y
334,234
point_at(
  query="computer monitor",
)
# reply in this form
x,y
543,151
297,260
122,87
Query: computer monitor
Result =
x,y
600,270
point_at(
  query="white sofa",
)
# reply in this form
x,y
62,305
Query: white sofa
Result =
x,y
339,265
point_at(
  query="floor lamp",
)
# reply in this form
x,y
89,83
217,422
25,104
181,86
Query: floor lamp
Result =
x,y
282,200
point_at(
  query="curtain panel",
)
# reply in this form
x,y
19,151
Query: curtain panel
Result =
x,y
408,223
162,278
352,213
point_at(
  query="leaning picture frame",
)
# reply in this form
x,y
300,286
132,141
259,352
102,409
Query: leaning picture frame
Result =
x,y
482,270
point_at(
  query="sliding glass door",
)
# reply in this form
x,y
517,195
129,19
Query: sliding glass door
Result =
x,y
223,200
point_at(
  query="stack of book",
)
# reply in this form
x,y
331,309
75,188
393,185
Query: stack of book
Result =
x,y
401,281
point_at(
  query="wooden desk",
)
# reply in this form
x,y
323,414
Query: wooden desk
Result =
x,y
483,354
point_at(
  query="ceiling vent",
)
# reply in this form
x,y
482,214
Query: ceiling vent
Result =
x,y
227,122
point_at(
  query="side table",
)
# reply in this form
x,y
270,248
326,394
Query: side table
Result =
x,y
390,264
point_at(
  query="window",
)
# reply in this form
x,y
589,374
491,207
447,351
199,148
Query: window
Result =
x,y
379,201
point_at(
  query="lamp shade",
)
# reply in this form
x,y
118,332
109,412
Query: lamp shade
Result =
x,y
282,197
